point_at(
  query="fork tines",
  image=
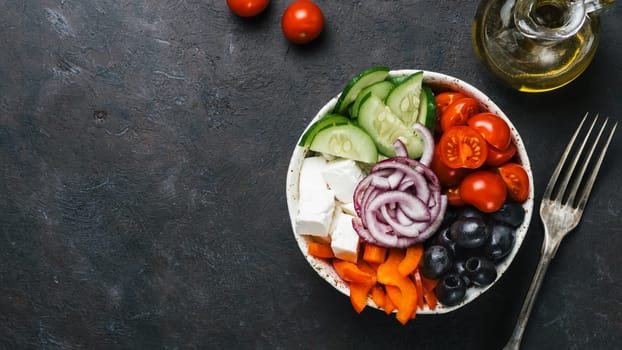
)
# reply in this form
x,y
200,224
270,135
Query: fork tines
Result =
x,y
557,191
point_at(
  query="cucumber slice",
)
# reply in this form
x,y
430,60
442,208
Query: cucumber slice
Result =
x,y
358,83
346,141
380,89
321,124
385,128
427,109
404,99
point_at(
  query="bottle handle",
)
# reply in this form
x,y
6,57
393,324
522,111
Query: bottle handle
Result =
x,y
597,6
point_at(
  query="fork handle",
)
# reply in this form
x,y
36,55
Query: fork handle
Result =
x,y
549,248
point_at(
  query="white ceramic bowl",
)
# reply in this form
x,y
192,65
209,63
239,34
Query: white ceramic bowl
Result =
x,y
438,82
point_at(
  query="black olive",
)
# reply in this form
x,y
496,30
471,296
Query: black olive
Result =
x,y
500,241
451,289
459,268
470,211
468,232
480,270
457,252
511,213
442,238
436,261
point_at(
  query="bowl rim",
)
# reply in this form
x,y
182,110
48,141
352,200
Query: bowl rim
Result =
x,y
438,82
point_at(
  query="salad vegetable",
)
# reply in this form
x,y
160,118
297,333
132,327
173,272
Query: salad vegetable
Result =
x,y
320,250
374,254
247,8
346,141
516,180
405,98
483,189
492,128
462,147
458,112
302,21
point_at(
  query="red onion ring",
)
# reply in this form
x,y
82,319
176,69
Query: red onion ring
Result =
x,y
428,143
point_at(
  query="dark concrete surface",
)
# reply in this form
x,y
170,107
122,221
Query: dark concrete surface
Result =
x,y
143,154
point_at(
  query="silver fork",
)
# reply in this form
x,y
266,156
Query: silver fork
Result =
x,y
561,210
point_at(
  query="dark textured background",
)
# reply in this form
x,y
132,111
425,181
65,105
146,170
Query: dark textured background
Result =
x,y
143,153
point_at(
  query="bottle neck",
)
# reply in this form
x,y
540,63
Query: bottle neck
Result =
x,y
549,20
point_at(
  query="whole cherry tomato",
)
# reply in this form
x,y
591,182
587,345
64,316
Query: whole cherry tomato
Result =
x,y
463,147
494,129
459,112
484,190
496,157
449,177
516,180
247,8
302,21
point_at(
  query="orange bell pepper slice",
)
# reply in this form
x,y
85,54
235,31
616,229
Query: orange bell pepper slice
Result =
x,y
428,291
389,275
411,259
358,295
388,305
419,285
430,299
394,293
428,284
365,267
408,308
374,254
388,271
379,296
350,272
320,250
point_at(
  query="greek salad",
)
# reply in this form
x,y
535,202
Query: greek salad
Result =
x,y
410,192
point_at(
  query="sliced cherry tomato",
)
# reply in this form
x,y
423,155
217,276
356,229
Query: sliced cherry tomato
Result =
x,y
247,8
494,129
484,190
497,157
516,180
444,99
454,198
449,177
302,21
459,112
463,147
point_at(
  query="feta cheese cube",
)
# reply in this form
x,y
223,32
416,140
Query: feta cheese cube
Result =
x,y
315,213
342,176
311,179
344,240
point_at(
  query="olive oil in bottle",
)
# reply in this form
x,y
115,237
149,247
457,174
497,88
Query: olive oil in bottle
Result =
x,y
535,45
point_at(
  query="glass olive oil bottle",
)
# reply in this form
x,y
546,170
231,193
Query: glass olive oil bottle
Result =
x,y
537,45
